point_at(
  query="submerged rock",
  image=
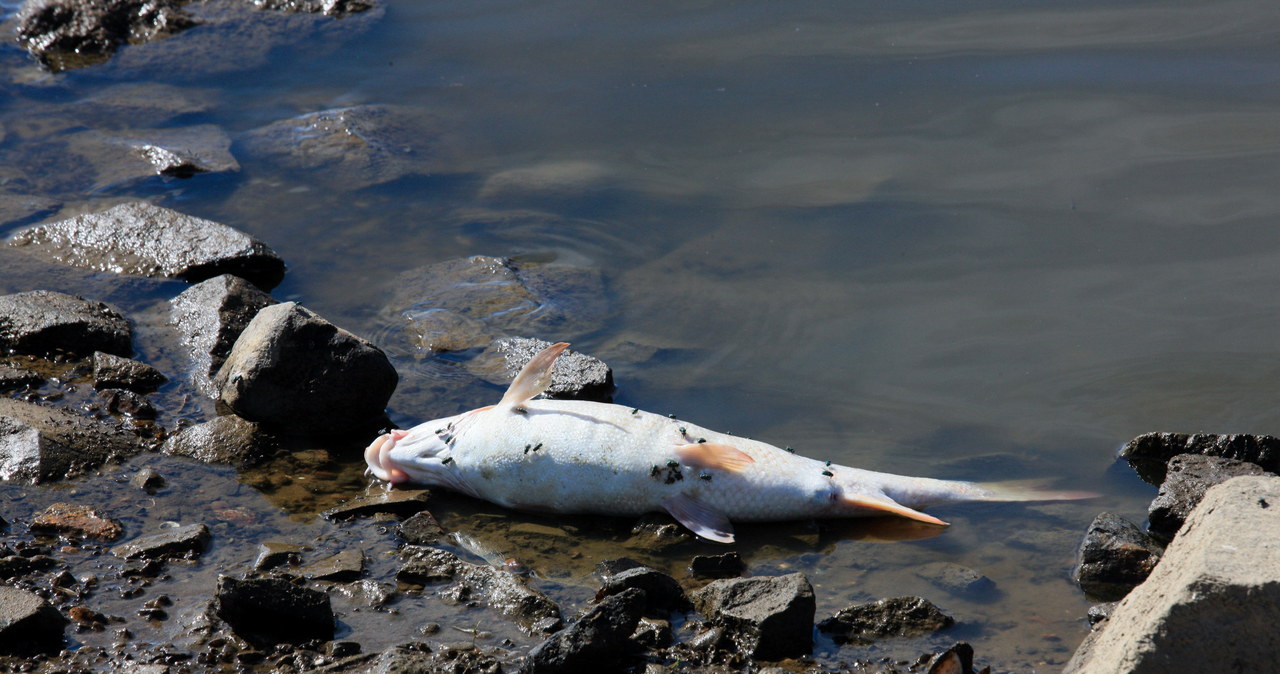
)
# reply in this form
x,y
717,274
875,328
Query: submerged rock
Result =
x,y
1114,557
111,371
269,610
1212,603
40,443
958,580
723,565
504,592
82,521
119,159
356,147
397,502
326,7
1187,478
1150,452
210,315
65,34
469,302
294,371
28,623
768,618
896,617
420,529
41,322
143,239
343,566
227,440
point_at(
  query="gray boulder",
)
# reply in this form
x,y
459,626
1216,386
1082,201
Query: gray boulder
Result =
x,y
111,371
504,592
1114,557
292,370
143,239
768,618
41,322
66,34
226,439
270,610
598,641
28,623
40,443
1187,478
1212,603
209,316
896,617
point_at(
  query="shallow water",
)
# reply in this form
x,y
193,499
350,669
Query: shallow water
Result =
x,y
987,241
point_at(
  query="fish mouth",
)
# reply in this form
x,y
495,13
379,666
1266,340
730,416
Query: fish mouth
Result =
x,y
378,456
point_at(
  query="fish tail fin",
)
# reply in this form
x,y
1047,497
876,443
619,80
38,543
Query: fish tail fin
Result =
x,y
1029,490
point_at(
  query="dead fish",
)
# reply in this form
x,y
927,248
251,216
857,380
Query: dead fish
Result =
x,y
573,456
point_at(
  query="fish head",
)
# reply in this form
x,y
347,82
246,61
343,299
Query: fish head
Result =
x,y
420,455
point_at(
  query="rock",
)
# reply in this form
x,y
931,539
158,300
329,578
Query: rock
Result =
x,y
110,371
226,440
503,592
1114,556
1187,478
272,554
41,322
367,592
142,239
611,567
356,147
896,617
418,658
81,521
575,376
955,660
768,618
1150,452
120,159
134,104
958,580
420,529
724,565
335,8
653,633
147,480
28,623
1212,603
66,34
661,592
269,610
469,302
292,370
598,641
553,182
20,208
186,542
398,502
40,443
210,316
16,378
1099,613
344,566
127,403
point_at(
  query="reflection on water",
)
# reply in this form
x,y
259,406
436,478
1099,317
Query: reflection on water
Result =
x,y
925,238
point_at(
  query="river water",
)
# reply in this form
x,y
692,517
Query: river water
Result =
x,y
990,240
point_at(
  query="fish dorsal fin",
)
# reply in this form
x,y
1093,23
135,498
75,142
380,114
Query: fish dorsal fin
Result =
x,y
534,377
888,505
714,455
698,517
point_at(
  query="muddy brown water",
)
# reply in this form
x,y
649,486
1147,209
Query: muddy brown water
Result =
x,y
988,241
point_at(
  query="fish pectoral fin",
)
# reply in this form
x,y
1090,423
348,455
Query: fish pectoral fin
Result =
x,y
714,455
888,505
534,377
698,517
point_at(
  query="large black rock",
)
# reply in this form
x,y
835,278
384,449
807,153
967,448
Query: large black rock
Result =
x,y
1187,478
1114,557
293,371
28,623
274,609
899,616
599,641
210,315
